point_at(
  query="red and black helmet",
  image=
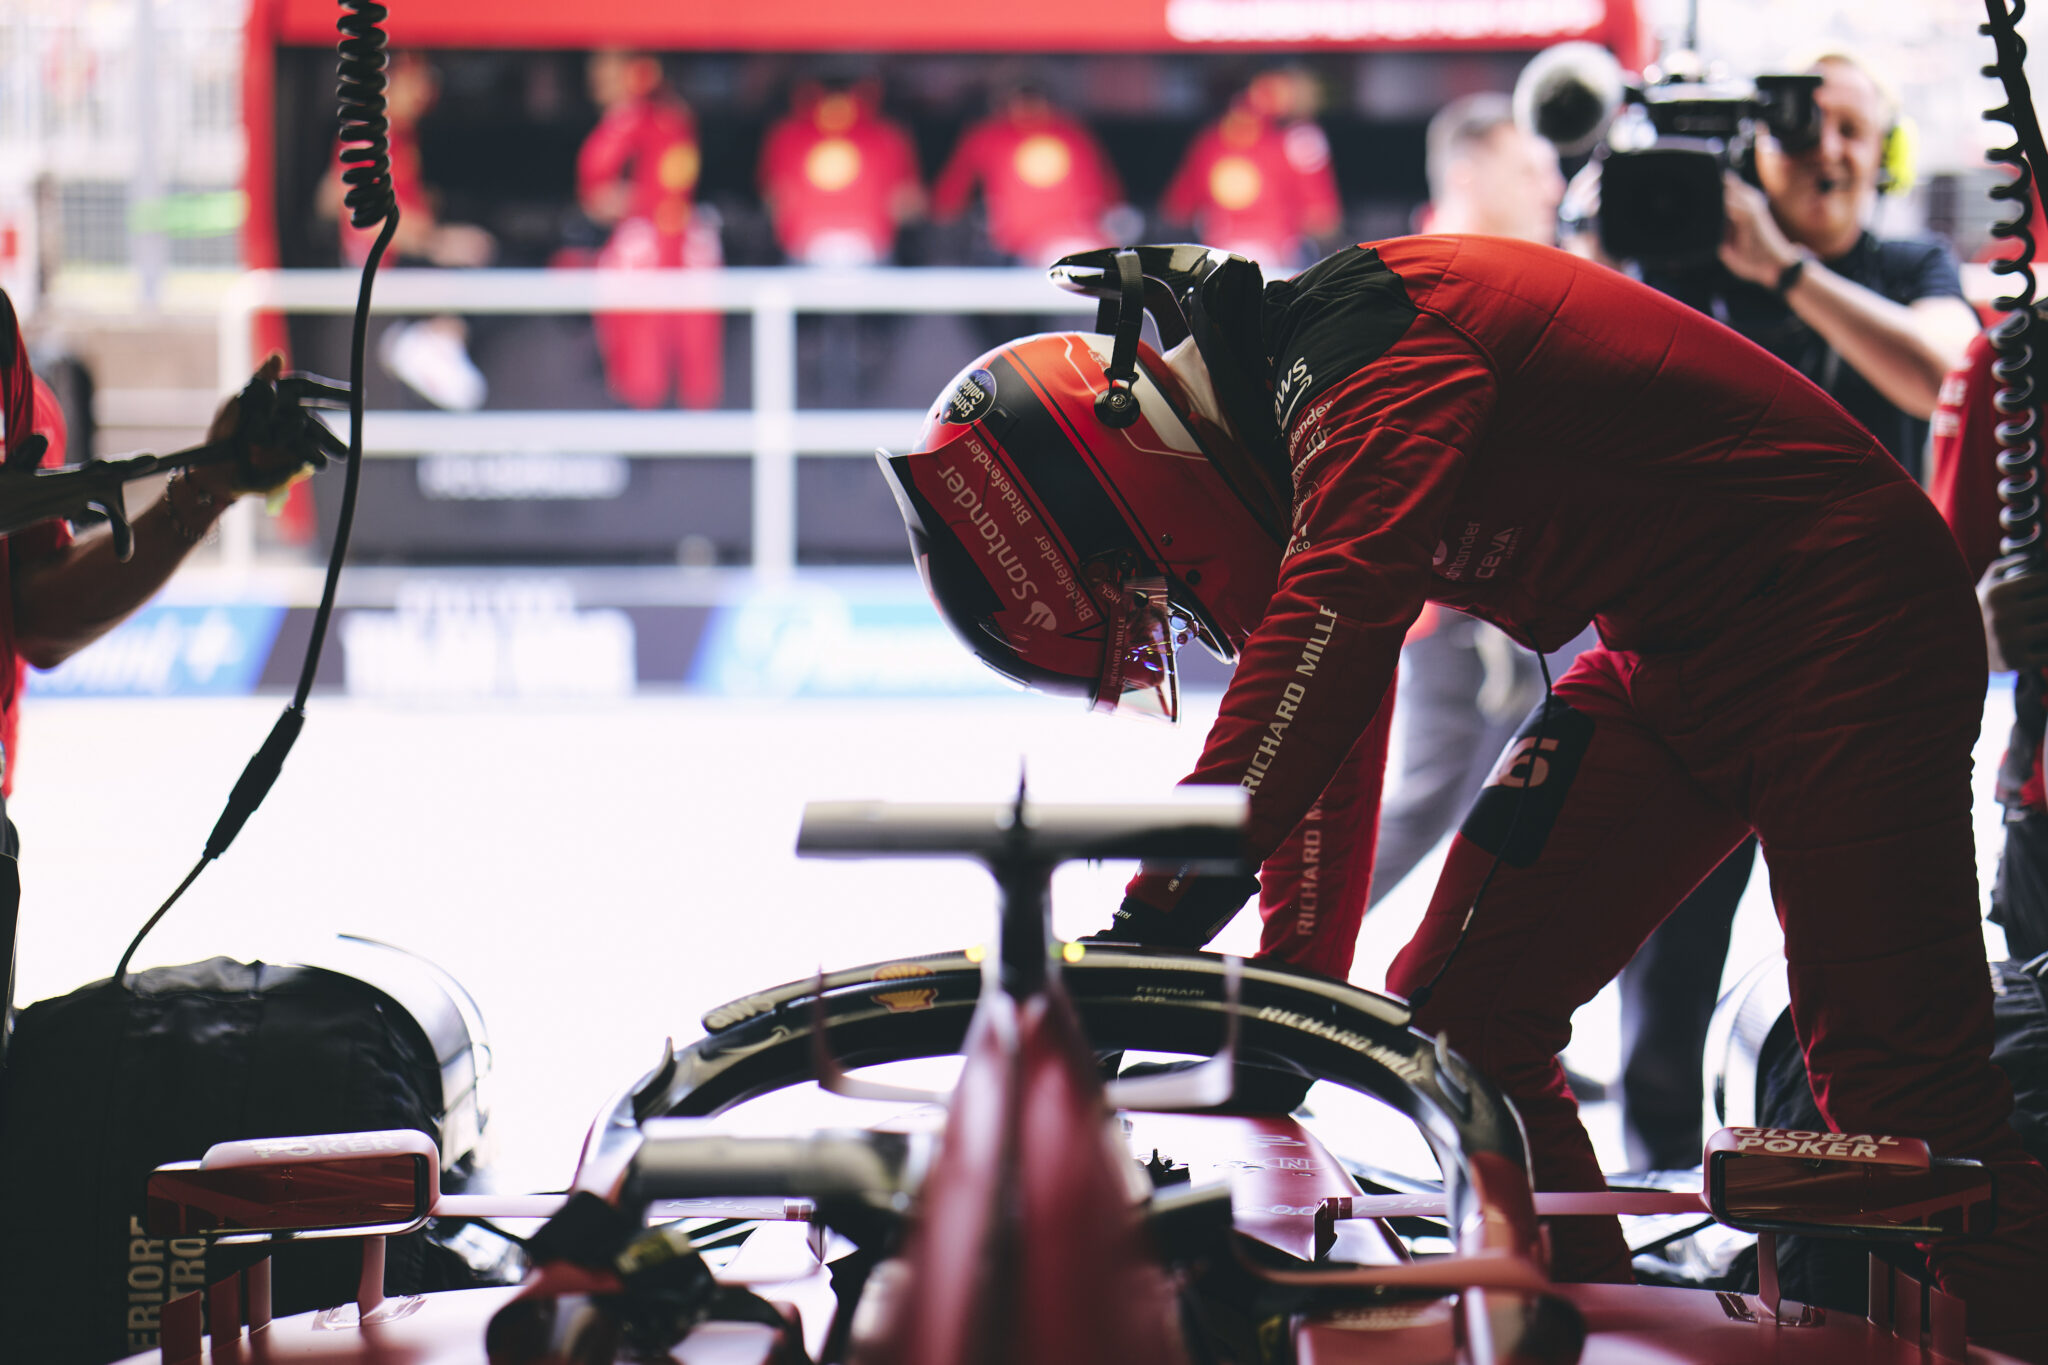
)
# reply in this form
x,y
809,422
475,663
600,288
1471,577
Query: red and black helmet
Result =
x,y
1075,517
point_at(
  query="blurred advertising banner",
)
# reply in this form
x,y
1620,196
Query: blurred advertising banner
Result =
x,y
524,636
171,651
820,643
937,26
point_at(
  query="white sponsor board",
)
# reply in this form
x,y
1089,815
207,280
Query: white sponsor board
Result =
x,y
525,638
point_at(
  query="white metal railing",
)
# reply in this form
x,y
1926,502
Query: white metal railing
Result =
x,y
774,432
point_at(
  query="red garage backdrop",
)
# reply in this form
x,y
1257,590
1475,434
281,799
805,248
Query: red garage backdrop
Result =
x,y
937,26
918,26
946,26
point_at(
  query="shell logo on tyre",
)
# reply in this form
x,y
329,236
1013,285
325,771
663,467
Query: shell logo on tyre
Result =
x,y
921,997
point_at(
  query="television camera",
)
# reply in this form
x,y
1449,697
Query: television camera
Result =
x,y
1661,144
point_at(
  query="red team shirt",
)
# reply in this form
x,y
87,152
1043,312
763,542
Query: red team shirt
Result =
x,y
1043,177
834,171
1256,186
651,143
1963,457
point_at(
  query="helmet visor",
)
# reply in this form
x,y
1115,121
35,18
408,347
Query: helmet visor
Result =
x,y
1138,674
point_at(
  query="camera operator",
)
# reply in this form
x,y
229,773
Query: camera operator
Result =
x,y
1875,321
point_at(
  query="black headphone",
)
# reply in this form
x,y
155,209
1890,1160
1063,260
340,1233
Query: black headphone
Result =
x,y
1117,405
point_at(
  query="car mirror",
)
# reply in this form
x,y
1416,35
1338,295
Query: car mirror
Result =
x,y
1843,1185
329,1185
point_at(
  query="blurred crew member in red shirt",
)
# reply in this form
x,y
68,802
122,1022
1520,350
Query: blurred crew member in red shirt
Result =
x,y
1258,181
1044,179
839,178
429,355
636,174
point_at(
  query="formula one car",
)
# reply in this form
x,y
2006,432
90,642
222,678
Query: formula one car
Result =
x,y
1036,1212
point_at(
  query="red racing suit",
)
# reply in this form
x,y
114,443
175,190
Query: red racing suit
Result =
x,y
1790,645
651,144
1256,186
1044,179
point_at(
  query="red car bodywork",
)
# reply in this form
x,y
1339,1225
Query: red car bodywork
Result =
x,y
1029,1245
1023,1230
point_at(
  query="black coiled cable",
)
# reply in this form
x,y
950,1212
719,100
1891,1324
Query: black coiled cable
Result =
x,y
365,131
370,200
2015,369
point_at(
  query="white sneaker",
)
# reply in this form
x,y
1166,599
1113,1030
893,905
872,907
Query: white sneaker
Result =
x,y
429,358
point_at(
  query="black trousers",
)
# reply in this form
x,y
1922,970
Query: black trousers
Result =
x,y
2019,898
1449,740
1668,992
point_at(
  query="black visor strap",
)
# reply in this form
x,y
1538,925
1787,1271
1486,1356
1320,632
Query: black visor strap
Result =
x,y
1130,321
1117,405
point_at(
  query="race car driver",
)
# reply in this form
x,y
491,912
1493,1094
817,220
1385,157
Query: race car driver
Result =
x,y
1789,645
